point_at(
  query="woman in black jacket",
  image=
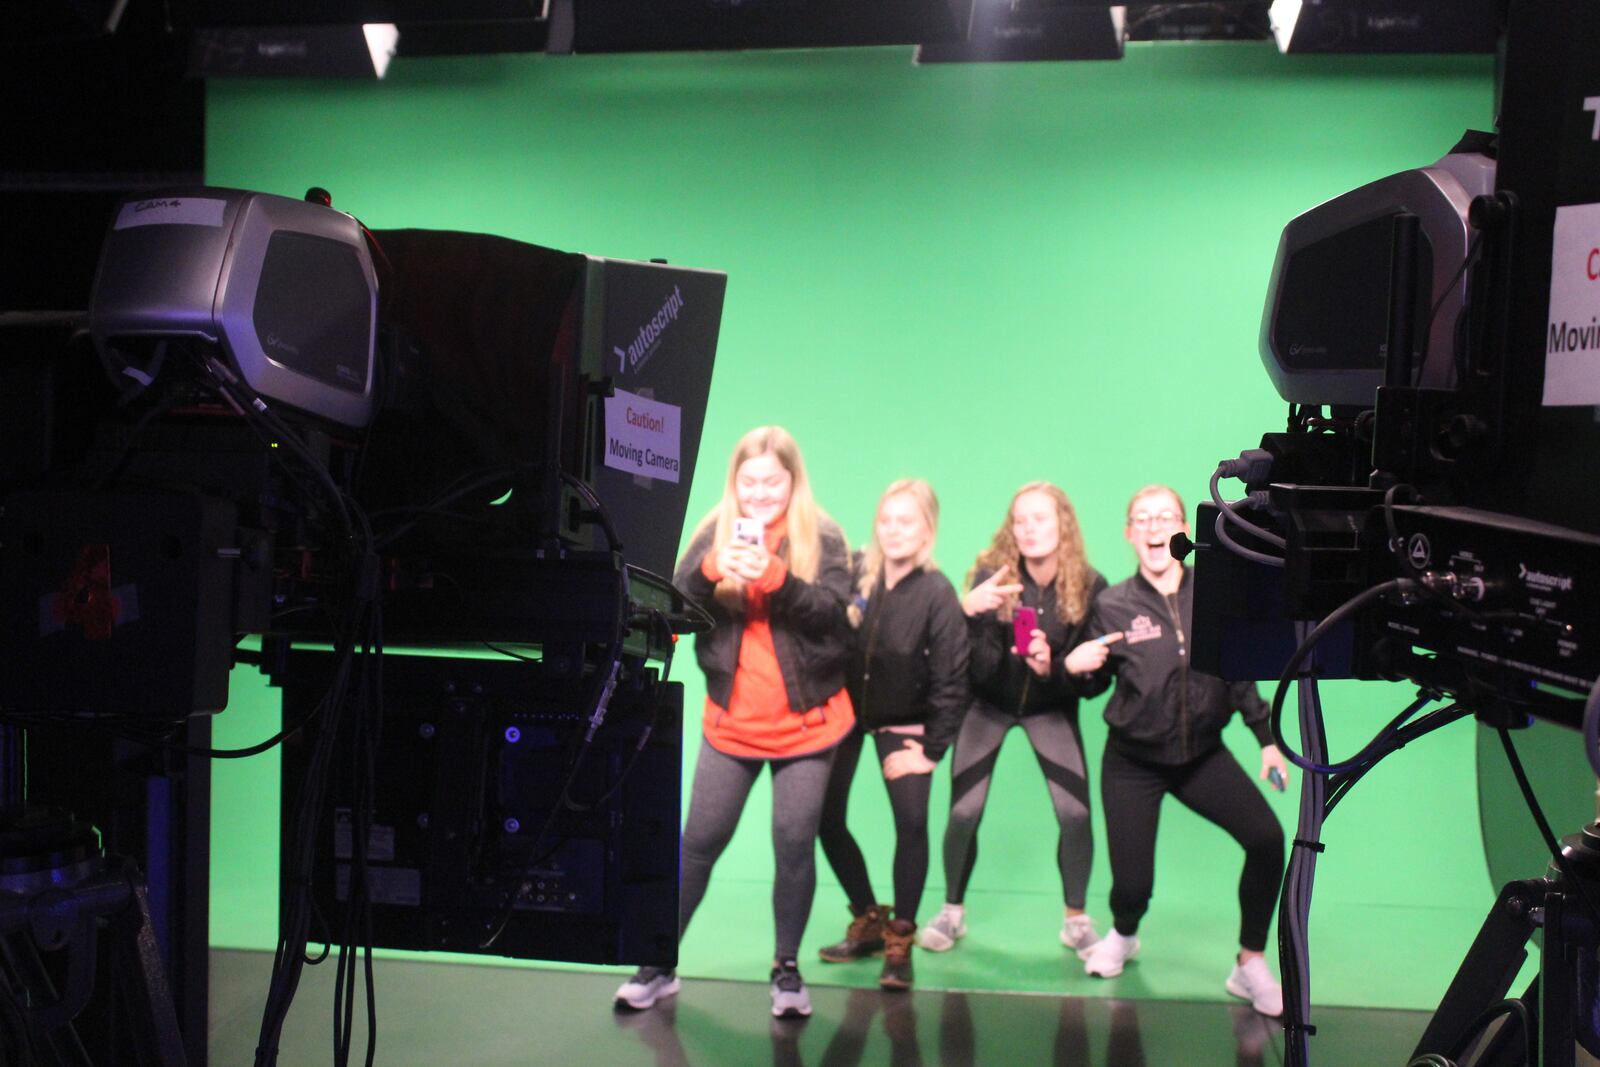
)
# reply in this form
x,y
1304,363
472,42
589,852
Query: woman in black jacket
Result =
x,y
908,683
773,570
1036,564
1166,725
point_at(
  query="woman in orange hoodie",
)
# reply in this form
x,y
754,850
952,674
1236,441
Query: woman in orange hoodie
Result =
x,y
774,571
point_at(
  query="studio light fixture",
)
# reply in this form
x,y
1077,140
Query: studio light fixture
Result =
x,y
334,51
1010,31
1385,25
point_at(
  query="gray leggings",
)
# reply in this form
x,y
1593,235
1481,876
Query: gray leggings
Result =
x,y
1059,749
721,785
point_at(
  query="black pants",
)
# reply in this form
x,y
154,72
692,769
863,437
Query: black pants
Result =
x,y
1214,787
1059,749
908,800
722,783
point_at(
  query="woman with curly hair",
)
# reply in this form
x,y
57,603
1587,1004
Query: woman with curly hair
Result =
x,y
1035,565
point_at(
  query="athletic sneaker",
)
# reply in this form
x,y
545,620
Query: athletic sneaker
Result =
x,y
648,985
789,999
945,930
1253,981
1106,958
1078,933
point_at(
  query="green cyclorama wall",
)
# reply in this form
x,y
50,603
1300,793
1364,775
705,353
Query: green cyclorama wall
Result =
x,y
980,275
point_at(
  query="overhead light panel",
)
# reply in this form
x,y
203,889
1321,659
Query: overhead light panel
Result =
x,y
354,51
1012,31
1420,26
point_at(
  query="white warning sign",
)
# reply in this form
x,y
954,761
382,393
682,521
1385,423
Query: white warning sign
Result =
x,y
1572,337
642,436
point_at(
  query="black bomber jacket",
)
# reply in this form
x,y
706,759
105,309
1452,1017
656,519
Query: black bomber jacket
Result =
x,y
910,659
810,631
1002,679
1163,711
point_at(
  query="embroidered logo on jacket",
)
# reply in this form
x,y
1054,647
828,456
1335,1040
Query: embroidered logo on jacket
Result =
x,y
1142,628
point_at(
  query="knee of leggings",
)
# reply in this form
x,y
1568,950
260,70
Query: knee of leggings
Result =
x,y
964,815
911,829
792,849
1265,841
703,846
1074,818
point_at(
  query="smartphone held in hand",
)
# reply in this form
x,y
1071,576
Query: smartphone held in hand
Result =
x,y
1023,625
749,531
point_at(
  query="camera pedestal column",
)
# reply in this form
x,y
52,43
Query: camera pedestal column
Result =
x,y
1563,1001
57,891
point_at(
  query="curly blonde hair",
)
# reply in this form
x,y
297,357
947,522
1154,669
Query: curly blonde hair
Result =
x,y
1072,563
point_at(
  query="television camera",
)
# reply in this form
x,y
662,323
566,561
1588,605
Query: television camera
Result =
x,y
280,438
1427,514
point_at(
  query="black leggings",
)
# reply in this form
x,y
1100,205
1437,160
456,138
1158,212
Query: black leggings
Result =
x,y
908,799
721,785
1214,787
1059,749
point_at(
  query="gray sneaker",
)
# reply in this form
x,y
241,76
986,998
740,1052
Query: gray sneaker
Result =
x,y
942,933
648,985
789,998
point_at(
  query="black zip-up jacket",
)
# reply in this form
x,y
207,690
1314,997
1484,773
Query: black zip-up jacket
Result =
x,y
1162,711
910,659
1002,679
810,631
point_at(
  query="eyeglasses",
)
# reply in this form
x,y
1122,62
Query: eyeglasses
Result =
x,y
1164,520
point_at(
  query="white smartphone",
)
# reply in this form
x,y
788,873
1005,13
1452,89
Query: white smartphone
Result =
x,y
750,531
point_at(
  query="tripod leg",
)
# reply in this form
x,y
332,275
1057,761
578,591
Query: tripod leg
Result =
x,y
147,982
1488,970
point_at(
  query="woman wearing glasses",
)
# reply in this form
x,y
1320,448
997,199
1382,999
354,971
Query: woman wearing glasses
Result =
x,y
1165,737
1035,567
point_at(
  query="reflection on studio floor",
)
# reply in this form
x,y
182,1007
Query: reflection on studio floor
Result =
x,y
1087,1032
434,1011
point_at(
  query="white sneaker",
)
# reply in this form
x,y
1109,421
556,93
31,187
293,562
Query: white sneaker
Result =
x,y
648,985
1106,958
945,930
789,997
1253,981
1078,933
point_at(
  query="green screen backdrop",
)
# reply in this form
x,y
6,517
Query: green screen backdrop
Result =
x,y
980,275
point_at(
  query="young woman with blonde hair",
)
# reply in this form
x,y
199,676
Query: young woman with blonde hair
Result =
x,y
908,682
775,689
1036,563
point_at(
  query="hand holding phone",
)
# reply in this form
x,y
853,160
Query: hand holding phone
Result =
x,y
1275,776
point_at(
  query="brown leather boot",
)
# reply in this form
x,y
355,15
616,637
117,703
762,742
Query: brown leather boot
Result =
x,y
897,939
864,937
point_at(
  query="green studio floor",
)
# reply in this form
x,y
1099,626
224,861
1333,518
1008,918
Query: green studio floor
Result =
x,y
1365,956
432,1013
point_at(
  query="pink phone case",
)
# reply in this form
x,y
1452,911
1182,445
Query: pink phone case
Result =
x,y
1026,621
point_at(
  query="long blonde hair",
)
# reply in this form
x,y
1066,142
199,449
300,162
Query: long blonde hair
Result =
x,y
872,556
1072,564
803,551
